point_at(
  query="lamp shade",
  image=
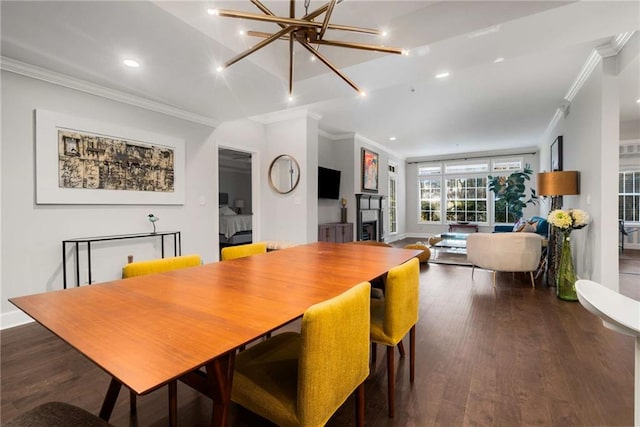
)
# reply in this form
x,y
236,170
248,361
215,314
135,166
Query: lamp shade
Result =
x,y
239,203
559,183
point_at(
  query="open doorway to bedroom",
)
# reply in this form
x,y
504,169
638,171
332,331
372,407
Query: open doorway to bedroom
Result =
x,y
235,197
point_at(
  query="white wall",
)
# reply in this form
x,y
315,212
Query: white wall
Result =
x,y
238,186
591,135
292,217
32,234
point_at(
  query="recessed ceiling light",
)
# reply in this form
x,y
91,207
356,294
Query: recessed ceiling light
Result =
x,y
131,63
219,68
241,32
638,101
442,75
213,12
498,60
384,33
363,94
290,98
405,52
312,58
393,138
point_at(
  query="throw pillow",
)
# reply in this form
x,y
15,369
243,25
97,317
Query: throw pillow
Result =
x,y
528,228
519,224
226,210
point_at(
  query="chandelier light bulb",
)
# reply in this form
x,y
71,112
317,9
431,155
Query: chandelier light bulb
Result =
x,y
131,63
219,68
213,12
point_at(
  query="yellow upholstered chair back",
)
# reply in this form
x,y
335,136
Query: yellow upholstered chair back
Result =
x,y
161,265
334,358
241,251
401,300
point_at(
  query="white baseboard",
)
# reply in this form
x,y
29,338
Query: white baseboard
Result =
x,y
14,318
635,246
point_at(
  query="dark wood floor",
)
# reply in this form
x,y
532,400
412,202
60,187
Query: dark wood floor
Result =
x,y
508,356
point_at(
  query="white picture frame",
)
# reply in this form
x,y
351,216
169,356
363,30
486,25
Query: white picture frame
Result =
x,y
48,190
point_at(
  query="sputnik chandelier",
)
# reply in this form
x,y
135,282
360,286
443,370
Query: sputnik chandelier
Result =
x,y
306,31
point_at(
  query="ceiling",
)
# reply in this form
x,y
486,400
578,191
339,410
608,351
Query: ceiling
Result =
x,y
481,106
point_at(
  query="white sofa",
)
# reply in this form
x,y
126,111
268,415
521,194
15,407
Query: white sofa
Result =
x,y
514,252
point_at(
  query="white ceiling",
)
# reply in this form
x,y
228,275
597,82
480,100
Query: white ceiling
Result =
x,y
481,106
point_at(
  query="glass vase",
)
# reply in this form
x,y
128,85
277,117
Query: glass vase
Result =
x,y
566,274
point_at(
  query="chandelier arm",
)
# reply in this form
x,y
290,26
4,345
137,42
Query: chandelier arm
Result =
x,y
267,11
361,46
326,62
292,14
264,35
327,16
258,46
335,43
291,21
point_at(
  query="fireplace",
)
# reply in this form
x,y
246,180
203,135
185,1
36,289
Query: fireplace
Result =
x,y
370,217
369,230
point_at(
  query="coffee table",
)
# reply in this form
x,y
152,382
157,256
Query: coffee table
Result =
x,y
452,243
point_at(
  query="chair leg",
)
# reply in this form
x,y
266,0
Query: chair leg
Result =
x,y
360,405
133,408
494,278
412,353
374,349
533,284
173,403
401,349
473,268
391,382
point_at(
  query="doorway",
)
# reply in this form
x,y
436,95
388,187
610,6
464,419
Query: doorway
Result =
x,y
235,197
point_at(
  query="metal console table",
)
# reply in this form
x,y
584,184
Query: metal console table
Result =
x,y
177,249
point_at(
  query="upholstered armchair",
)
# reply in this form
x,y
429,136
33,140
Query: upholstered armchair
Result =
x,y
511,252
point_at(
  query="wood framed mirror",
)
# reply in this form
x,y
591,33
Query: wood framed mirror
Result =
x,y
284,174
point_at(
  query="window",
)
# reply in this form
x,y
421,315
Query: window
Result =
x,y
466,199
457,191
430,199
629,196
393,199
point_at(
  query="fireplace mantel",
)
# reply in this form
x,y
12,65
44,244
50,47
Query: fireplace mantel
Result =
x,y
369,210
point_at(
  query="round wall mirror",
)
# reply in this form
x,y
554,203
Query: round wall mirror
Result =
x,y
284,174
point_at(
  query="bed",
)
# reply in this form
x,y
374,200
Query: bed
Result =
x,y
234,228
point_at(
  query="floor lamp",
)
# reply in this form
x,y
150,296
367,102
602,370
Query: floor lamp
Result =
x,y
555,185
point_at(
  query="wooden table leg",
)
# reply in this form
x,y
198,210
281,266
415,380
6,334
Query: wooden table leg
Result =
x,y
173,403
220,377
110,399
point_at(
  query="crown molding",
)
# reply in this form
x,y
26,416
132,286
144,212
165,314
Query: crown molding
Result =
x,y
43,74
610,49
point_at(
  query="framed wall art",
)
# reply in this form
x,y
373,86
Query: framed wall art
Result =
x,y
556,154
370,165
83,161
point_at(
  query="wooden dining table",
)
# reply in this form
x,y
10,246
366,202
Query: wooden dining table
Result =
x,y
149,331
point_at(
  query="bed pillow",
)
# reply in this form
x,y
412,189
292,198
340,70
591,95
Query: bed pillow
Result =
x,y
226,210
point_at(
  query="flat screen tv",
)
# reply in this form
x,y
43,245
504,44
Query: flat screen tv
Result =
x,y
328,183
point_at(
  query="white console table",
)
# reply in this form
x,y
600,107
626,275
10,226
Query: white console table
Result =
x,y
618,313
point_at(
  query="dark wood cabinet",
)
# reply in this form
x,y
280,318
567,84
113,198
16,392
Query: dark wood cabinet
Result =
x,y
336,232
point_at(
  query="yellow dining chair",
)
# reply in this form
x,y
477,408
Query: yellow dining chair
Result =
x,y
394,316
141,268
161,265
302,379
241,251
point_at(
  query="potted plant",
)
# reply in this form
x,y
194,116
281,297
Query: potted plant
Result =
x,y
511,189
